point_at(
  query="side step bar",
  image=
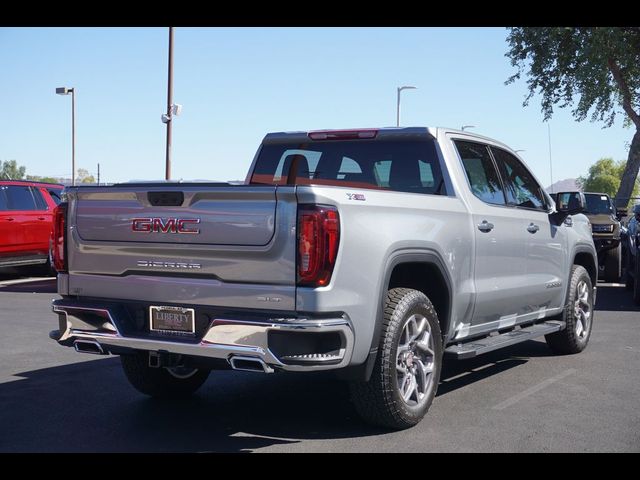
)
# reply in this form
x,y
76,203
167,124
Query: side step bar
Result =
x,y
462,351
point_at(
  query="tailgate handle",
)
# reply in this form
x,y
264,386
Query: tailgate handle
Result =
x,y
166,199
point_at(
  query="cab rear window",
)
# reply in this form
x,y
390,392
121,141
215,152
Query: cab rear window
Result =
x,y
401,166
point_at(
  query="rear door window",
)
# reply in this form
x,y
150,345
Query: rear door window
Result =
x,y
403,166
482,175
55,195
19,197
3,199
41,204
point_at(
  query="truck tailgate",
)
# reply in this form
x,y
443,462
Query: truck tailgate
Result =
x,y
224,245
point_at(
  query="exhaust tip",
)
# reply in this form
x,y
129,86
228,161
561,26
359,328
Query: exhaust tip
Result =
x,y
88,346
249,364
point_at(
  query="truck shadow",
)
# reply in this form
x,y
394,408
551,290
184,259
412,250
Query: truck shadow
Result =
x,y
90,407
614,299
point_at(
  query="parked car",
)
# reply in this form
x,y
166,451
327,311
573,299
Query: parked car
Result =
x,y
631,246
376,253
605,228
26,223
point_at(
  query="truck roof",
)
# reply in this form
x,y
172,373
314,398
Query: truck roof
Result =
x,y
381,132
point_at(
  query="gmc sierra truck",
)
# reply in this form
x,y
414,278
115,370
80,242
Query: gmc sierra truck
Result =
x,y
377,253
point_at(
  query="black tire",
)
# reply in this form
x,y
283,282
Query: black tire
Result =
x,y
575,337
160,382
612,265
636,274
379,401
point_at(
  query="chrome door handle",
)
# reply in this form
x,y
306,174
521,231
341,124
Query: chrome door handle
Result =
x,y
533,228
485,226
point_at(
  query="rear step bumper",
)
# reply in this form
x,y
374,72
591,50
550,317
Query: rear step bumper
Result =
x,y
90,329
462,351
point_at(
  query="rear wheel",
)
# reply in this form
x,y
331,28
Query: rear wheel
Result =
x,y
578,315
161,382
407,368
612,265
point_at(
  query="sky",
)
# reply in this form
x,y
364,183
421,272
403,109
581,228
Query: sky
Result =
x,y
237,84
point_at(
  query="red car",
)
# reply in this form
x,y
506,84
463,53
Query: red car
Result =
x,y
26,222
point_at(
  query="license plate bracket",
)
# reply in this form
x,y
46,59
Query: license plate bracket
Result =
x,y
174,320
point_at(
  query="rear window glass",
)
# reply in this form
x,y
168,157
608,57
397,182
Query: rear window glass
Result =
x,y
402,166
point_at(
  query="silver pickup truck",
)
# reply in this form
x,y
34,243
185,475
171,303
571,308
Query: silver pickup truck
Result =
x,y
375,252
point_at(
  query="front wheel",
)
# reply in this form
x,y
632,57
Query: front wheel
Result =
x,y
578,315
407,368
161,382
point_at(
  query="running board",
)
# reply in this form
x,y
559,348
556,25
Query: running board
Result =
x,y
462,351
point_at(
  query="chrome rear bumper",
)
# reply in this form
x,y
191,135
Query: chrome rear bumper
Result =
x,y
224,339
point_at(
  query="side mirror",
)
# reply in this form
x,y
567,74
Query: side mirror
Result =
x,y
621,213
568,203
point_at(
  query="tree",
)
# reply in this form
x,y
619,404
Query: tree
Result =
x,y
38,178
595,69
604,177
9,170
84,177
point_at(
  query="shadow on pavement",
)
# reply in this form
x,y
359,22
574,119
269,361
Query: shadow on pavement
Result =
x,y
90,407
47,285
615,299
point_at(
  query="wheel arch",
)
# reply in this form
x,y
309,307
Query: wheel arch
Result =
x,y
424,271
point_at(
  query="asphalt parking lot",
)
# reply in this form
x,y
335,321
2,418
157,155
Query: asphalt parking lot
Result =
x,y
521,399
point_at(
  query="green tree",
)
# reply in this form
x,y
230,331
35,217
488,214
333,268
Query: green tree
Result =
x,y
84,177
593,69
9,170
604,177
38,178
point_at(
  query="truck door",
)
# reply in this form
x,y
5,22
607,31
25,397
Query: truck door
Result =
x,y
500,245
545,243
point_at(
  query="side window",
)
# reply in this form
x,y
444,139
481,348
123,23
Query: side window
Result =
x,y
3,199
20,198
55,196
521,189
481,172
348,166
40,202
382,169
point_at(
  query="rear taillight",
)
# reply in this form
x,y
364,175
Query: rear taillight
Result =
x,y
318,239
58,247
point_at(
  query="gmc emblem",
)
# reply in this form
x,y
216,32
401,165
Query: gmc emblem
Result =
x,y
165,225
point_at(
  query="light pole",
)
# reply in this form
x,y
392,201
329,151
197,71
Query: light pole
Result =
x,y
467,126
550,163
406,87
67,91
167,173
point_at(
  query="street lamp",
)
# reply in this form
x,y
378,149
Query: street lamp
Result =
x,y
67,91
467,126
406,87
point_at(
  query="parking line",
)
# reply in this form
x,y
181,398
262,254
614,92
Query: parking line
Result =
x,y
536,388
